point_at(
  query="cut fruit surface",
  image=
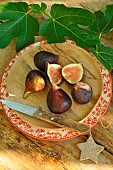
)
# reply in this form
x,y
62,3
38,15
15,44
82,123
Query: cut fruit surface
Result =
x,y
42,57
72,73
54,73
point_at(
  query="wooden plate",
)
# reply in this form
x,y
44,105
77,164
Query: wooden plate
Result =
x,y
13,82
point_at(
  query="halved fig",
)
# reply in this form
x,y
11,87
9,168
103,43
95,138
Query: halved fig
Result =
x,y
54,72
82,93
72,73
35,81
58,100
42,57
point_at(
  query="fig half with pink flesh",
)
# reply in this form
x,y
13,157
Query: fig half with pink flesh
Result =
x,y
54,72
72,73
42,57
58,100
82,93
35,81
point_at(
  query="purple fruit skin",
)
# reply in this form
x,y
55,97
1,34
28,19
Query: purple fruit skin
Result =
x,y
34,73
43,57
81,96
30,78
58,101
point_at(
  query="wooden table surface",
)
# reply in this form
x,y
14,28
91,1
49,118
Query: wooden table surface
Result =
x,y
20,152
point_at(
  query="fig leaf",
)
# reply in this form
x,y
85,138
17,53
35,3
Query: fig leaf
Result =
x,y
36,9
65,21
17,23
104,55
104,21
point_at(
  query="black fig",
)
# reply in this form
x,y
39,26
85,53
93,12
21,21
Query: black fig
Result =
x,y
35,81
72,73
82,93
54,73
43,57
58,100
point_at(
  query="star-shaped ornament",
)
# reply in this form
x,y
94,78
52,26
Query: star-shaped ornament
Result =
x,y
90,150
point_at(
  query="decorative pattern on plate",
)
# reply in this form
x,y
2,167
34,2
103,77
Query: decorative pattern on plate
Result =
x,y
61,133
101,106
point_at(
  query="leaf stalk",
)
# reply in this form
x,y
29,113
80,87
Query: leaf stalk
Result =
x,y
29,11
47,14
100,35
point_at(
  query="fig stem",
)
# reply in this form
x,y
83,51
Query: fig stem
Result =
x,y
26,93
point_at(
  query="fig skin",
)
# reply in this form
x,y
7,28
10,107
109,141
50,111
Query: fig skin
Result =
x,y
43,57
54,73
72,73
82,93
35,81
58,100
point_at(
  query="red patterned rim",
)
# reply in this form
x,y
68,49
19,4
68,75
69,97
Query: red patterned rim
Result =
x,y
60,133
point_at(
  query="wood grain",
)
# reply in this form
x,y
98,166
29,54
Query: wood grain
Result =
x,y
68,53
20,152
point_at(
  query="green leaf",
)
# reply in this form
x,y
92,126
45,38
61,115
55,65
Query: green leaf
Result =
x,y
66,21
104,20
36,9
43,6
104,55
17,24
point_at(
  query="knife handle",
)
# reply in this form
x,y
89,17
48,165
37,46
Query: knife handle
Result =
x,y
80,128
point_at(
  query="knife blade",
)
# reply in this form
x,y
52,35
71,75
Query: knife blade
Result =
x,y
20,107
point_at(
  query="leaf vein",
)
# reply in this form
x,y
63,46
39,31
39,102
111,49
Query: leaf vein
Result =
x,y
11,26
70,31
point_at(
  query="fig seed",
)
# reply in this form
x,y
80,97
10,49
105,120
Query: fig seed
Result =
x,y
72,73
54,73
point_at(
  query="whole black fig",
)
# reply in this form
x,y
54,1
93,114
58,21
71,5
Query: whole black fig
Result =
x,y
43,57
35,81
58,100
82,93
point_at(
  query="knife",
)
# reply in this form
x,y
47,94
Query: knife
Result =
x,y
19,107
76,126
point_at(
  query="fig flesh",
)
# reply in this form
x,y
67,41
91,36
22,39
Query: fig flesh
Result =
x,y
58,100
54,73
82,93
42,57
72,73
35,81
